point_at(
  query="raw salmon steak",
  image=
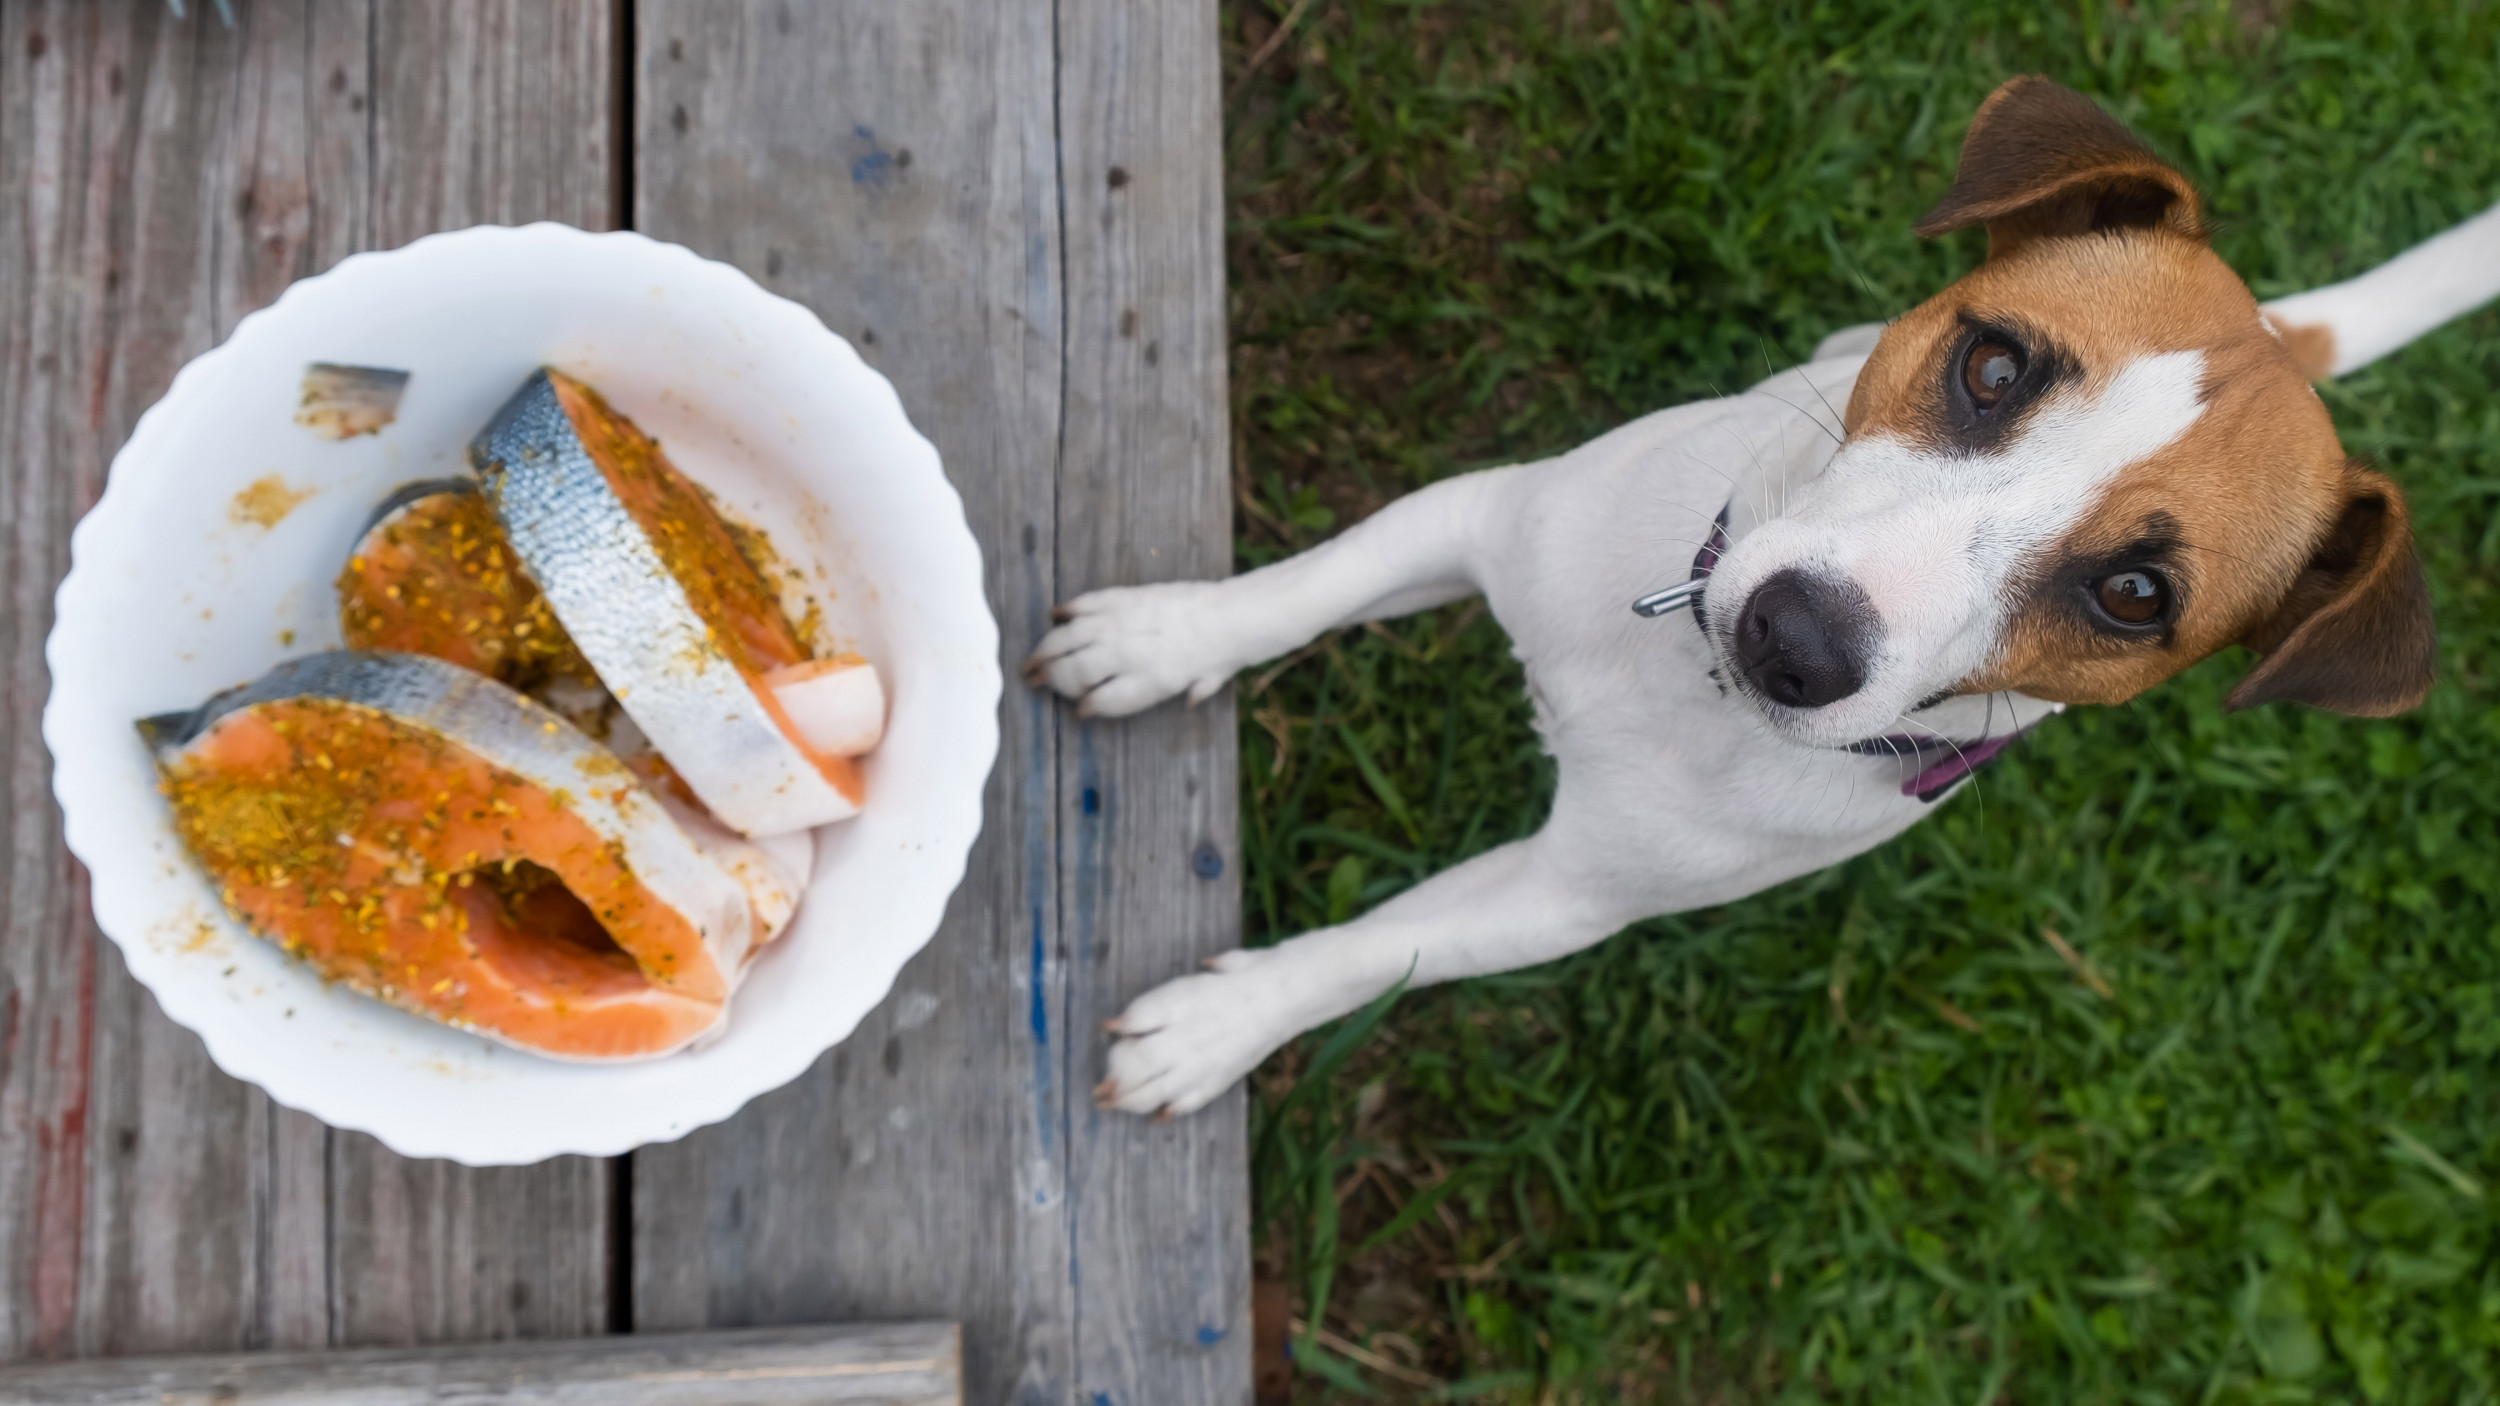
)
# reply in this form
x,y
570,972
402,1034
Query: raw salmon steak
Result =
x,y
650,584
430,837
432,574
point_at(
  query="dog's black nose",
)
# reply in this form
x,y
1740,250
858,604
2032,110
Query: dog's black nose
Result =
x,y
1804,640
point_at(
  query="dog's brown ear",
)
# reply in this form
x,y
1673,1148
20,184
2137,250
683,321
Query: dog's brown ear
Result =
x,y
2042,160
2354,633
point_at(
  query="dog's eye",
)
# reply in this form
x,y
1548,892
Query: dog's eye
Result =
x,y
2131,597
1989,371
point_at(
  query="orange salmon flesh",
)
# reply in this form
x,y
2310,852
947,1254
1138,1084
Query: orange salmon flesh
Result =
x,y
404,866
437,578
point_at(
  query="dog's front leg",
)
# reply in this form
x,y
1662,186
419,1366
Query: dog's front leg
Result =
x,y
1128,648
1183,1043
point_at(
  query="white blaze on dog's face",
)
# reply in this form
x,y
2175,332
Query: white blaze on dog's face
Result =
x,y
2080,469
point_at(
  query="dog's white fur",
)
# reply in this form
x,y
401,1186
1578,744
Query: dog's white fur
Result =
x,y
1675,793
2405,297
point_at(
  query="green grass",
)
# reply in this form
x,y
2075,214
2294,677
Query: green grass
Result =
x,y
1868,1136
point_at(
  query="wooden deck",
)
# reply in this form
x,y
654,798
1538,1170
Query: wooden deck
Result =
x,y
1012,207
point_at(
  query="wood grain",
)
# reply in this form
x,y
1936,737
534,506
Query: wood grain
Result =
x,y
1149,869
900,1364
493,112
899,167
890,164
483,112
163,178
1013,211
126,1214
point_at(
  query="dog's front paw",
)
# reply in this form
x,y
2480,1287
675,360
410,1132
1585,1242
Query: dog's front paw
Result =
x,y
1124,650
1187,1041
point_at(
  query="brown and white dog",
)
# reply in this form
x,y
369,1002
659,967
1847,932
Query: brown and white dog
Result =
x,y
2088,464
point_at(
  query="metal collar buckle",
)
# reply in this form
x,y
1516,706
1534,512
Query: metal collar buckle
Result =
x,y
1687,592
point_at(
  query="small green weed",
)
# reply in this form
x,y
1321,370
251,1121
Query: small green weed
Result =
x,y
2160,1068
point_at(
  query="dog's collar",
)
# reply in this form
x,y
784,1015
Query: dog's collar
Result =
x,y
1688,591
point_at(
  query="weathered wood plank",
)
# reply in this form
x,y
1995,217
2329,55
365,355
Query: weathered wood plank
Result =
x,y
1150,882
891,165
897,167
125,1215
293,1272
162,179
900,1364
437,1252
483,112
493,112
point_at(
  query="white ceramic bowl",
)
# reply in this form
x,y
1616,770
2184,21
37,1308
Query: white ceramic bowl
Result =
x,y
175,592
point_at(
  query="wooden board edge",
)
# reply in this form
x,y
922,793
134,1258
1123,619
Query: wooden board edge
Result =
x,y
874,1364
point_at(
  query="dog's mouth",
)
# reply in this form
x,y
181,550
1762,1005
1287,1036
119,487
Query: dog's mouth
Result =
x,y
1941,761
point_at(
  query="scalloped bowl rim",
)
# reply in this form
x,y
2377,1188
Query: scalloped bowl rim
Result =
x,y
128,885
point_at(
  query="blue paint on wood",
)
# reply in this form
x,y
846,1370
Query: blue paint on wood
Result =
x,y
873,167
1040,1019
1209,1335
1039,300
1092,876
1040,801
1041,1007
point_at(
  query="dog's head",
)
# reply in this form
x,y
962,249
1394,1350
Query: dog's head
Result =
x,y
2073,473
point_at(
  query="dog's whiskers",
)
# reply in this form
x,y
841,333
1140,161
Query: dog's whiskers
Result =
x,y
1802,413
1762,477
1837,417
1733,487
1658,496
1969,771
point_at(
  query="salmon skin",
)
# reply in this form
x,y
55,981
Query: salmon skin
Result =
x,y
651,587
430,837
342,402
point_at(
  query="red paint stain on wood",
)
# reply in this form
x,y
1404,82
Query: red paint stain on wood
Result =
x,y
60,1199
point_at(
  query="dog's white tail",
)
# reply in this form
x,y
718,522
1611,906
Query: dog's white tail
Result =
x,y
2345,326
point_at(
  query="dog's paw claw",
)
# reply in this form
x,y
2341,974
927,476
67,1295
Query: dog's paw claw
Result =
x,y
1123,650
1181,1045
